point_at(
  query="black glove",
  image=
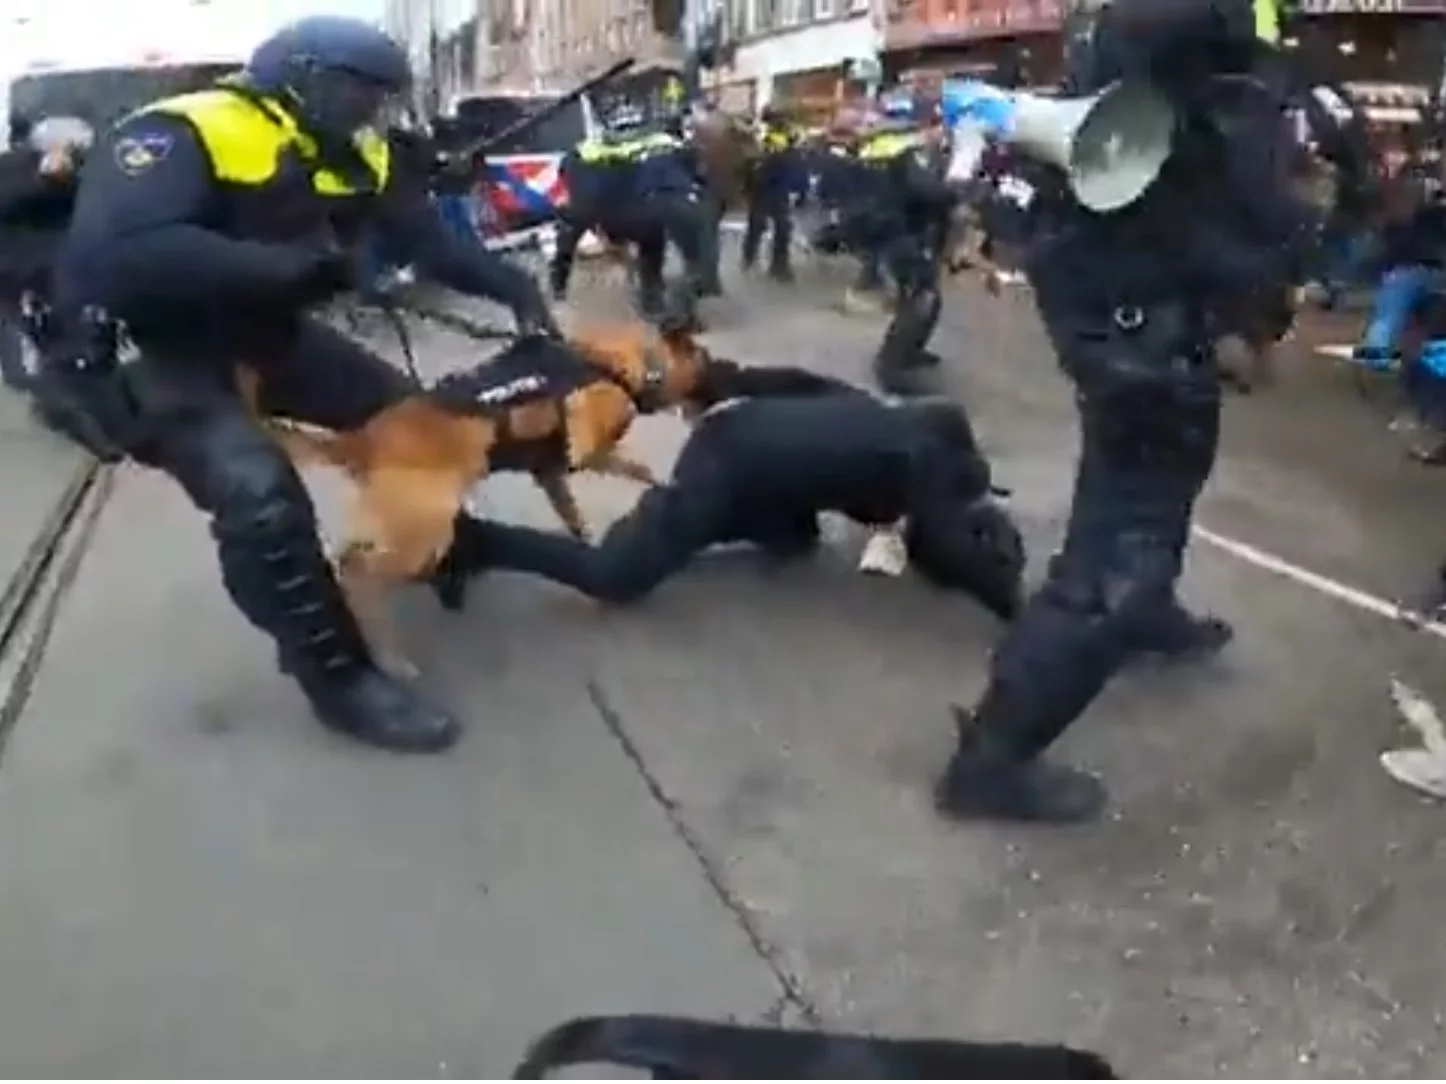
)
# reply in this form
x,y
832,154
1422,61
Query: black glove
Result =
x,y
322,274
535,319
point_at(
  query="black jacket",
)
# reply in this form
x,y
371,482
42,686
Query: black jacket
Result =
x,y
34,214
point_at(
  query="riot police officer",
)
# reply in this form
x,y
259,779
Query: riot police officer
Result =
x,y
904,213
38,182
1129,298
207,224
640,186
770,196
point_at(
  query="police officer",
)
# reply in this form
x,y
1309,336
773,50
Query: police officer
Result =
x,y
31,216
638,186
789,445
38,181
1128,299
906,216
207,223
699,121
770,195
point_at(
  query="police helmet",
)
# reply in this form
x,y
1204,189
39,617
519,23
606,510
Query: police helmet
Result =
x,y
337,73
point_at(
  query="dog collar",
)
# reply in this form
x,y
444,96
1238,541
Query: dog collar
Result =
x,y
650,395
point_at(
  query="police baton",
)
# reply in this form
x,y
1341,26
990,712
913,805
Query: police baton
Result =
x,y
486,143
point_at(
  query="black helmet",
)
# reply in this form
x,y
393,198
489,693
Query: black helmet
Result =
x,y
335,72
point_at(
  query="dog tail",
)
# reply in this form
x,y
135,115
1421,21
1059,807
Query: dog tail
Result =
x,y
677,1048
308,444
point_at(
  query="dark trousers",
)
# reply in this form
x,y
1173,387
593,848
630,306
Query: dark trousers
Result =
x,y
912,258
711,207
769,210
679,219
262,519
956,537
1149,403
651,223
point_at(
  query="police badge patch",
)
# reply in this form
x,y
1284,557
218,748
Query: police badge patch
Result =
x,y
136,154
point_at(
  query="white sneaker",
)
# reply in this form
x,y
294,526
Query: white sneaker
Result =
x,y
885,553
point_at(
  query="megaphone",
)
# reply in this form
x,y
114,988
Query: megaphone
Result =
x,y
1111,145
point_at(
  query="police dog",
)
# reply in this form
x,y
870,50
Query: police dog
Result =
x,y
542,406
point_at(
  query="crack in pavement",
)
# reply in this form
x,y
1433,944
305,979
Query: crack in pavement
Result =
x,y
793,993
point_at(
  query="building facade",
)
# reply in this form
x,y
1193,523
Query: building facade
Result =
x,y
794,51
1389,52
773,49
461,47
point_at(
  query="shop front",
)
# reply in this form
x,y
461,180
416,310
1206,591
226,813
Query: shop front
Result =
x,y
1015,42
805,66
1389,53
1396,45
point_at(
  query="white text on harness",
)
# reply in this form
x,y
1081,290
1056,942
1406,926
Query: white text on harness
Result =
x,y
513,389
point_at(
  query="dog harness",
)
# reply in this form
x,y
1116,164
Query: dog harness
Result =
x,y
518,377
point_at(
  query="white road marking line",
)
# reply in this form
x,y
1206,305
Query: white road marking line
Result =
x,y
1341,592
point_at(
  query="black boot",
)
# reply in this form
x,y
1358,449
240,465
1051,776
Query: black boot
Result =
x,y
277,576
1180,636
466,558
901,379
985,783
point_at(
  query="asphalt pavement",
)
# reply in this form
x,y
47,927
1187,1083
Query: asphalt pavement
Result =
x,y
36,466
717,803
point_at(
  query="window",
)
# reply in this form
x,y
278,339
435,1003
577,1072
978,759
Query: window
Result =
x,y
792,12
765,16
825,9
860,7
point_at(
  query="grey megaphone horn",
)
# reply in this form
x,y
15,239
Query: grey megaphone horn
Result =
x,y
1111,145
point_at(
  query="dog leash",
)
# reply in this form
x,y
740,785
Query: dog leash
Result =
x,y
463,325
395,311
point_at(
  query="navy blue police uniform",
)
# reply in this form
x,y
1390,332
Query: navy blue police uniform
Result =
x,y
906,219
1130,301
639,187
775,180
206,225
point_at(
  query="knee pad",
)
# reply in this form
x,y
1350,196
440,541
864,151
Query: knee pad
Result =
x,y
258,495
1116,602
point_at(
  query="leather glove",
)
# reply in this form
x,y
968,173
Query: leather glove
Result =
x,y
323,274
535,319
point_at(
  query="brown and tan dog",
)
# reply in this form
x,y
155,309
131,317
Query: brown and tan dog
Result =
x,y
548,408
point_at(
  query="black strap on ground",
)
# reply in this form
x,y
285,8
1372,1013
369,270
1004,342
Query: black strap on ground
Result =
x,y
677,1048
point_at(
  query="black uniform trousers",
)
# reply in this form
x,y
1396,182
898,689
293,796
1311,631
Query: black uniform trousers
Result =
x,y
770,209
196,429
1149,405
957,537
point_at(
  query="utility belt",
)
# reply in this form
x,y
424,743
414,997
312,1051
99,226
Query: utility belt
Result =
x,y
84,372
1157,355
